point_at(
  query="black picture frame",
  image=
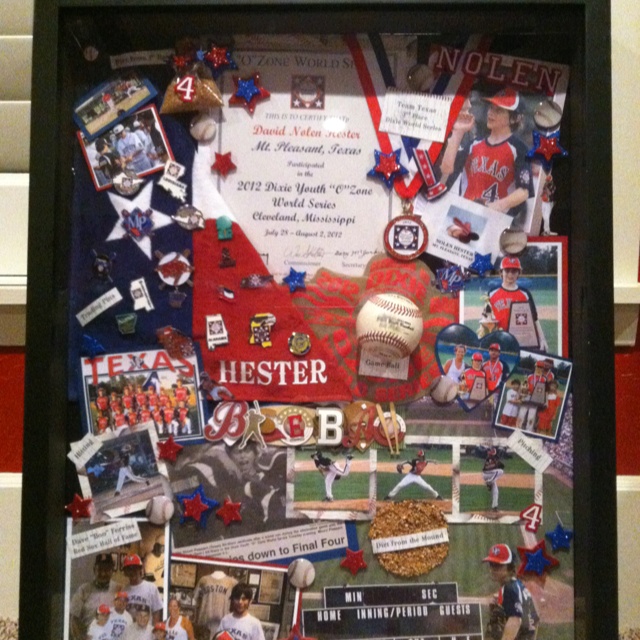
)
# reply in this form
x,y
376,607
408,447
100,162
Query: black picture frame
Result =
x,y
63,28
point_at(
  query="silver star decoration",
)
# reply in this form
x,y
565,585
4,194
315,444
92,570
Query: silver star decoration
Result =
x,y
143,202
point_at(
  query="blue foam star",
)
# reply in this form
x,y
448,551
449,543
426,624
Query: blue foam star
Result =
x,y
200,53
387,167
481,264
247,89
92,347
546,148
560,538
196,503
295,280
537,562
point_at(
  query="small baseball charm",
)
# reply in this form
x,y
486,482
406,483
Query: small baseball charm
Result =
x,y
389,325
159,510
301,573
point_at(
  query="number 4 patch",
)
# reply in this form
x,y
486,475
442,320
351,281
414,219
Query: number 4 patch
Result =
x,y
532,515
186,88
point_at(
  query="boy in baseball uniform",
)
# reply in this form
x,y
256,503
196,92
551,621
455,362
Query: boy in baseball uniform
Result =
x,y
240,624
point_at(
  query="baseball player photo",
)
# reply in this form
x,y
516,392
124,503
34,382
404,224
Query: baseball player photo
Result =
x,y
533,283
538,407
512,613
495,482
412,471
97,580
125,473
330,483
239,623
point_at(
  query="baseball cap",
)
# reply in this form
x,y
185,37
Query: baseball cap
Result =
x,y
495,346
104,558
509,262
132,560
476,356
118,129
499,554
103,609
540,364
505,99
159,626
421,454
121,595
492,451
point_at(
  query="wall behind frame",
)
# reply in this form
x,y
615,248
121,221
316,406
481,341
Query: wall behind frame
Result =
x,y
15,26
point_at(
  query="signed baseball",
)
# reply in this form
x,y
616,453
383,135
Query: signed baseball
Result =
x,y
301,573
513,241
203,127
443,390
389,325
159,510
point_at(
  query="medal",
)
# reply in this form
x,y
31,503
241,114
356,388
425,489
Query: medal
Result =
x,y
406,236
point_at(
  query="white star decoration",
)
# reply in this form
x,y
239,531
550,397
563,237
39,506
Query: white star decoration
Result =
x,y
143,202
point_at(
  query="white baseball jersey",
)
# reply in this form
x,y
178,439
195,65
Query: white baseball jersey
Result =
x,y
97,632
212,598
119,622
143,594
245,628
510,408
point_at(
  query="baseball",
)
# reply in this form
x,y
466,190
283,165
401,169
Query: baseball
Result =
x,y
443,390
547,115
513,241
390,325
301,573
203,127
159,509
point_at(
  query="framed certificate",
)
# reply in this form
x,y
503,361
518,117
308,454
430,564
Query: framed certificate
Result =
x,y
311,312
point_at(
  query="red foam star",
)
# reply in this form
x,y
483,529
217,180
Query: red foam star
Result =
x,y
194,507
80,507
296,635
548,562
354,561
169,449
217,56
223,164
229,512
387,166
248,92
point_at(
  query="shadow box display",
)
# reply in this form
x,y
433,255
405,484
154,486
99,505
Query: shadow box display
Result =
x,y
319,322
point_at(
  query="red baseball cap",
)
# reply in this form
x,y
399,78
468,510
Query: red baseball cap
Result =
x,y
132,560
159,626
540,364
495,346
121,595
499,554
509,262
505,99
104,609
476,356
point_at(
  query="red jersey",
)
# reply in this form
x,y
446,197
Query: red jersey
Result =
x,y
546,415
128,401
157,415
181,394
103,423
145,415
102,402
114,404
141,399
168,415
119,420
470,375
501,299
493,171
153,400
132,418
182,414
493,371
165,400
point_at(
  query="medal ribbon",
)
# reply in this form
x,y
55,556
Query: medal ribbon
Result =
x,y
405,191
